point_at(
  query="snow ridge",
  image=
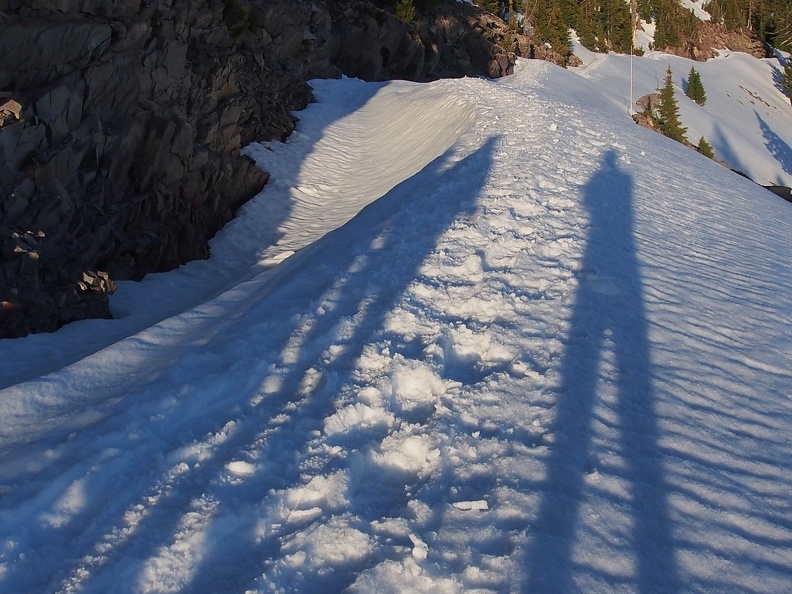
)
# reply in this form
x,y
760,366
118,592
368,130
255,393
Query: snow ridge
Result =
x,y
546,358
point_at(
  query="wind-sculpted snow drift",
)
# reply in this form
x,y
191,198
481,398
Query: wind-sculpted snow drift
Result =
x,y
392,134
552,356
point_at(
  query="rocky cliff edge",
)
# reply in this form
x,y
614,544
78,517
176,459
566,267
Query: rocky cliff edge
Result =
x,y
121,123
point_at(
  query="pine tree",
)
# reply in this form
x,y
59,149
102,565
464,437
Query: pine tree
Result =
x,y
705,148
550,27
584,24
491,6
786,79
668,111
769,20
619,26
405,11
695,88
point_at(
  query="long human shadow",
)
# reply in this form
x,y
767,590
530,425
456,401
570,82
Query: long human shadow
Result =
x,y
374,280
356,273
145,373
371,287
780,150
608,313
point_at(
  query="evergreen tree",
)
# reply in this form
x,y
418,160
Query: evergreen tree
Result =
x,y
618,25
668,111
646,10
405,11
786,79
491,6
705,148
674,23
695,88
550,26
769,20
584,24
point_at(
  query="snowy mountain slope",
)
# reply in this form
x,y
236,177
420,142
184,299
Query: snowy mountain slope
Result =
x,y
746,116
554,356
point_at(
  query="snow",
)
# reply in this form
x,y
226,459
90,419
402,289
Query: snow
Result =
x,y
473,336
745,118
697,6
645,32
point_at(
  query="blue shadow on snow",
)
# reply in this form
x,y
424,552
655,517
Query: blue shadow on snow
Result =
x,y
410,221
608,313
776,145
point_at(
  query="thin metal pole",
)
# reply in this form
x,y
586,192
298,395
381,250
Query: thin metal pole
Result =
x,y
633,17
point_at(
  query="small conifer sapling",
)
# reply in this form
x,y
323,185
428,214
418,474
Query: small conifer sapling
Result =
x,y
705,148
405,11
695,88
668,111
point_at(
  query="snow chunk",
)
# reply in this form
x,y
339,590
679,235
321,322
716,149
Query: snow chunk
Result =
x,y
414,386
479,505
332,544
393,577
73,501
241,468
468,356
420,551
357,416
412,455
320,492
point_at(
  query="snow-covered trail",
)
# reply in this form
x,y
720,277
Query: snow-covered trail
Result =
x,y
329,169
555,358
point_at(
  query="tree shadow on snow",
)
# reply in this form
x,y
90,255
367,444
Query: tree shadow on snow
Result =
x,y
20,359
608,314
778,76
777,147
726,153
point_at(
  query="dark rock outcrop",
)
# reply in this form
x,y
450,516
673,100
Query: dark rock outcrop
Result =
x,y
446,40
710,37
784,192
121,124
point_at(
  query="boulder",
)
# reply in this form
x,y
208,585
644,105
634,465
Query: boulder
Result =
x,y
649,102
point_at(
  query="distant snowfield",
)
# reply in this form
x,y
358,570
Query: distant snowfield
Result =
x,y
746,116
500,339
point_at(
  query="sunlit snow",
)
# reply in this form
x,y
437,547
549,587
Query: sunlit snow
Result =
x,y
474,336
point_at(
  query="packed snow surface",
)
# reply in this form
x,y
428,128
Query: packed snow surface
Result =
x,y
474,336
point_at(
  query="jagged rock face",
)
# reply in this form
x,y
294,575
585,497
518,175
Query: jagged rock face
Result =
x,y
124,155
466,45
711,37
443,42
121,123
